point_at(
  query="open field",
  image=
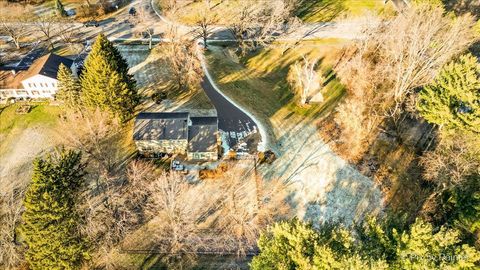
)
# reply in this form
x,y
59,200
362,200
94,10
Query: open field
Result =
x,y
323,186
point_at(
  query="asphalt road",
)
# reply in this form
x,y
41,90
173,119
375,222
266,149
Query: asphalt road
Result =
x,y
232,121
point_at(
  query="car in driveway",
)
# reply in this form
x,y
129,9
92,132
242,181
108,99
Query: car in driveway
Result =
x,y
91,24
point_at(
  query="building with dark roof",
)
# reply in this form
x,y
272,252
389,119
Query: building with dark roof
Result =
x,y
203,138
38,81
177,133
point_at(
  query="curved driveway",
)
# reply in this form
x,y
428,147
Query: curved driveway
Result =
x,y
235,124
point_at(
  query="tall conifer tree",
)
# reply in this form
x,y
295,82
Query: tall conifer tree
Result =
x,y
452,100
68,87
105,81
50,220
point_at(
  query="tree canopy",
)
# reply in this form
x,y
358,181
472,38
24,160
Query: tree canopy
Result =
x,y
452,100
374,245
50,221
105,81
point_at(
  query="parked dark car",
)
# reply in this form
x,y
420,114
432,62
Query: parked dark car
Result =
x,y
132,11
91,23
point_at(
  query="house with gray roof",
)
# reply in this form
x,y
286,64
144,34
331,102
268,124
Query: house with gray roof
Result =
x,y
177,133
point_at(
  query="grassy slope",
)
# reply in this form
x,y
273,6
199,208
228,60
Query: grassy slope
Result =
x,y
259,83
328,10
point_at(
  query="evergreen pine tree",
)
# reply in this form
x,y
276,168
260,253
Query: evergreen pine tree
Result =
x,y
68,87
452,100
296,245
60,9
105,81
50,220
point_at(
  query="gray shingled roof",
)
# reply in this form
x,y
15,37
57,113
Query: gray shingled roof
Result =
x,y
47,65
202,134
161,126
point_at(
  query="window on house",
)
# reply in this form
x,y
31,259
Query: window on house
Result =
x,y
53,84
29,85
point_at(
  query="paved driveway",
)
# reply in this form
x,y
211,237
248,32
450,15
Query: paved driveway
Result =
x,y
235,124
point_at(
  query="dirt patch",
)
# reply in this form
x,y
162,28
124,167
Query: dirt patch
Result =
x,y
19,149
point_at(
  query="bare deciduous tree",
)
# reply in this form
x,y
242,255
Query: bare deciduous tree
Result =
x,y
455,157
145,26
181,55
170,6
67,31
94,133
46,25
204,22
407,51
396,57
13,21
110,216
224,215
304,79
10,215
248,206
261,23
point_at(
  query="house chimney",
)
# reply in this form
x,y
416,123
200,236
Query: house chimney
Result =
x,y
14,72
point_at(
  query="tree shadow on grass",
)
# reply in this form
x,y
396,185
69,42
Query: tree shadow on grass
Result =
x,y
320,10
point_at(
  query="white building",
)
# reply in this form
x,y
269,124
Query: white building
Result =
x,y
39,81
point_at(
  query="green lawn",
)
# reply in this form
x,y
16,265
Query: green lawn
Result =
x,y
328,10
258,82
41,114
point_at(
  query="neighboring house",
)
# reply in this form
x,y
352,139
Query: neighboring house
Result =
x,y
177,133
39,81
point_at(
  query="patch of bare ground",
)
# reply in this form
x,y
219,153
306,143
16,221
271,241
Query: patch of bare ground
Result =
x,y
322,185
19,149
